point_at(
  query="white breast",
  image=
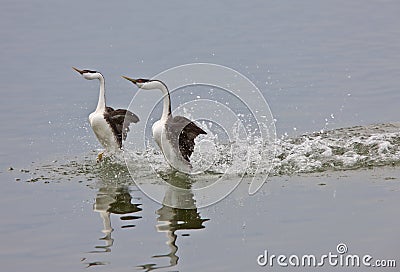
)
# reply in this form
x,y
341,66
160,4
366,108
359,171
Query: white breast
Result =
x,y
157,130
173,156
103,131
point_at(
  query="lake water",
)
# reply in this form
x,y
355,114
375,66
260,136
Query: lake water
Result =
x,y
328,69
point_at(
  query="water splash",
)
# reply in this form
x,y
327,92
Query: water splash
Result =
x,y
340,149
356,147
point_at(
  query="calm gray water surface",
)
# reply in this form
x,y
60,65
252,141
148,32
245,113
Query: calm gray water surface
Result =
x,y
319,64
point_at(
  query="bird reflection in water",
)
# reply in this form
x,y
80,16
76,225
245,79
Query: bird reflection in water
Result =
x,y
115,197
170,220
113,200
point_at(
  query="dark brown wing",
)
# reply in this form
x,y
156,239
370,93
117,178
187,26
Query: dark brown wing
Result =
x,y
116,119
182,132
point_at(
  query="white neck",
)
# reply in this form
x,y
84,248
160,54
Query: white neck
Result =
x,y
166,103
166,99
101,105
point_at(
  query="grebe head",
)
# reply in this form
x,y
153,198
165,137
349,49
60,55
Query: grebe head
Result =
x,y
88,74
146,84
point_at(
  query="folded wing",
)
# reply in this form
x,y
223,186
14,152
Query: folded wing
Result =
x,y
116,119
182,132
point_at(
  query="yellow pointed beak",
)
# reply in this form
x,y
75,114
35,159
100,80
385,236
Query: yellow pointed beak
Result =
x,y
79,71
130,79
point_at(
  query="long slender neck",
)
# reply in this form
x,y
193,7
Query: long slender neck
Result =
x,y
101,105
166,102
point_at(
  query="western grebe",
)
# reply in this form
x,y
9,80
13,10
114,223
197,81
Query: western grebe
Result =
x,y
174,135
107,123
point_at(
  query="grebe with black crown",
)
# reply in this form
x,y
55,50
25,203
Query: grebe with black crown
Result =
x,y
107,123
174,135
